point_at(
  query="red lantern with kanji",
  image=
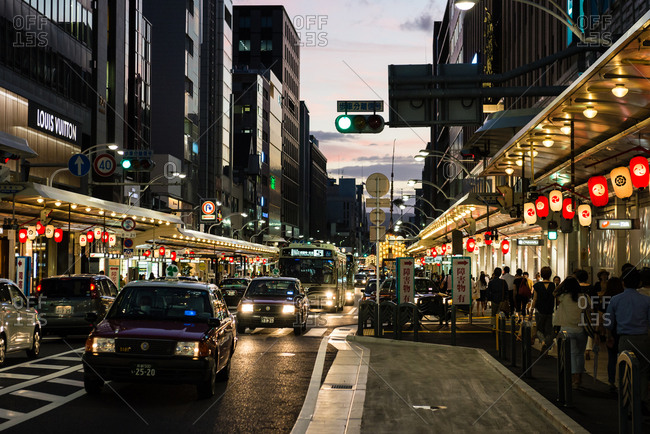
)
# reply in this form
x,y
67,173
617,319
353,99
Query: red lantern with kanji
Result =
x,y
161,251
40,228
173,256
505,247
147,253
471,245
22,235
443,248
58,235
434,253
598,190
487,238
567,208
90,236
541,205
639,172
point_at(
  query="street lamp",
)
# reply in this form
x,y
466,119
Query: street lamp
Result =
x,y
262,221
243,214
424,153
415,181
565,18
262,230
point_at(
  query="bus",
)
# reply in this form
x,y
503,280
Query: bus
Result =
x,y
321,268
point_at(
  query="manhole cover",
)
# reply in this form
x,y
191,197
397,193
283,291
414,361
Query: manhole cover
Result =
x,y
341,386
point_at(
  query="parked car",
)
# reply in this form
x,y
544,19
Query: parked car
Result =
x,y
163,332
20,329
233,289
64,301
273,302
369,290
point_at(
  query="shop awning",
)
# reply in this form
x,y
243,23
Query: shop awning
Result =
x,y
619,130
499,127
87,207
16,145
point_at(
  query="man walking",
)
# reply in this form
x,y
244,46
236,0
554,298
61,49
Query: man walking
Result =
x,y
544,302
510,281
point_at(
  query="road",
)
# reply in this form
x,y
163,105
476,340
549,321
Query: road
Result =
x,y
270,375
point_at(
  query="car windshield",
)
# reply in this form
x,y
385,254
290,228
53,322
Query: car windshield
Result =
x,y
424,285
360,276
273,288
65,288
162,303
388,284
309,270
234,282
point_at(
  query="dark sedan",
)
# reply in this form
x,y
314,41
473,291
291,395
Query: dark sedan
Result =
x,y
164,332
233,289
273,302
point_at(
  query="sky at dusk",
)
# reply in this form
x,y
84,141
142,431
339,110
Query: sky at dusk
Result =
x,y
347,47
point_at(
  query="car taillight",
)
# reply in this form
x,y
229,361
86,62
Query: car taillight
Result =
x,y
38,289
93,291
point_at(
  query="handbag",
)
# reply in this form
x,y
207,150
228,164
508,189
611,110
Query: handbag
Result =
x,y
585,321
504,305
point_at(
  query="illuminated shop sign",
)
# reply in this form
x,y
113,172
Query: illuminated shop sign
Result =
x,y
615,224
52,123
529,242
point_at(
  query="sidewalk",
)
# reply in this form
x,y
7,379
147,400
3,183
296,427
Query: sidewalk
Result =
x,y
419,387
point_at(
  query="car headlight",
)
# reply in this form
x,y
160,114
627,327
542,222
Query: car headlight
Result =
x,y
329,303
349,295
247,308
329,294
288,308
103,345
189,349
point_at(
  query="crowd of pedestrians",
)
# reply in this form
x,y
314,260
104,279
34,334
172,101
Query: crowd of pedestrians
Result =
x,y
614,312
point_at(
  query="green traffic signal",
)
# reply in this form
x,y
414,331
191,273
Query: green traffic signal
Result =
x,y
126,164
359,124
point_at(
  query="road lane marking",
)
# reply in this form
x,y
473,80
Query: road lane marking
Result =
x,y
309,405
69,358
8,414
67,382
41,396
45,366
37,380
17,376
44,358
32,414
352,311
334,316
315,332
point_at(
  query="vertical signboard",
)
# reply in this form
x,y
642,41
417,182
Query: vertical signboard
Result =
x,y
405,281
23,273
461,280
114,274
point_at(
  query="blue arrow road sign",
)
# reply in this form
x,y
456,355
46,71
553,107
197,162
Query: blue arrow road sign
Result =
x,y
79,165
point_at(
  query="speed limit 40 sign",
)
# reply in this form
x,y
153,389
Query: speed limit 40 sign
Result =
x,y
104,165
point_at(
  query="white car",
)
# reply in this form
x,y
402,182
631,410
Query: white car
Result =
x,y
20,329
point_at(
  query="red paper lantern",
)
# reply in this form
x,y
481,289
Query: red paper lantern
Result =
x,y
161,251
105,237
147,253
541,205
434,253
471,245
505,247
173,255
598,190
58,235
264,261
90,236
22,235
443,248
422,260
567,208
487,239
40,228
231,259
639,172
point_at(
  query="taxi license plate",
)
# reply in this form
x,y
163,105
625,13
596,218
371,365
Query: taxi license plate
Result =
x,y
143,370
267,320
63,310
231,293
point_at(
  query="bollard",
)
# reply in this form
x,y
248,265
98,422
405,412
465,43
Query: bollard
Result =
x,y
629,392
513,340
406,312
501,321
387,313
453,325
564,391
527,345
367,313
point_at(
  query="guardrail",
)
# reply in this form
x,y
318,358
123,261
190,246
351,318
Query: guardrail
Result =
x,y
629,392
367,318
526,349
407,313
387,314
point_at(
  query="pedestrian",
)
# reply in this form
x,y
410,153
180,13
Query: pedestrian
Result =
x,y
645,281
476,296
522,292
510,281
496,293
614,287
628,314
538,277
544,302
601,285
568,316
557,280
583,278
483,285
151,276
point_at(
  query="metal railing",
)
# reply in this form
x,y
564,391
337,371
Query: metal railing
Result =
x,y
629,393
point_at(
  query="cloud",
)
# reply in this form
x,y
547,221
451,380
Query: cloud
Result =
x,y
422,23
324,136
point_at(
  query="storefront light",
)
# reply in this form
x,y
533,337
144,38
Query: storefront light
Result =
x,y
113,214
73,206
548,142
57,203
101,212
40,200
620,90
566,128
590,112
519,163
509,170
88,209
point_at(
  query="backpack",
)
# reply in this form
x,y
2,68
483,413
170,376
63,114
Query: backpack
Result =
x,y
545,299
524,289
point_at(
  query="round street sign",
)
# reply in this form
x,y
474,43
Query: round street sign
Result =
x,y
202,266
208,207
377,216
128,224
79,165
104,165
128,243
377,185
172,270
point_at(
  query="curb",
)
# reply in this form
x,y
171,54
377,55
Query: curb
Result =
x,y
558,418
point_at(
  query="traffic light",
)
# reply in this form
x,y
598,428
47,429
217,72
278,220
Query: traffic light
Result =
x,y
359,124
137,164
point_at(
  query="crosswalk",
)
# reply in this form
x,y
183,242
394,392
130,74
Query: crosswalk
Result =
x,y
25,379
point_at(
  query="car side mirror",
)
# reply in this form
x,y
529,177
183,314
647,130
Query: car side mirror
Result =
x,y
214,322
91,317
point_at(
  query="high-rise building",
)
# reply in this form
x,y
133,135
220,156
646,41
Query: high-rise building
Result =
x,y
317,191
265,38
342,211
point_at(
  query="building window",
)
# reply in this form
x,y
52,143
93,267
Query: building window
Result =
x,y
247,108
266,45
244,45
267,21
228,17
189,45
189,87
245,22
